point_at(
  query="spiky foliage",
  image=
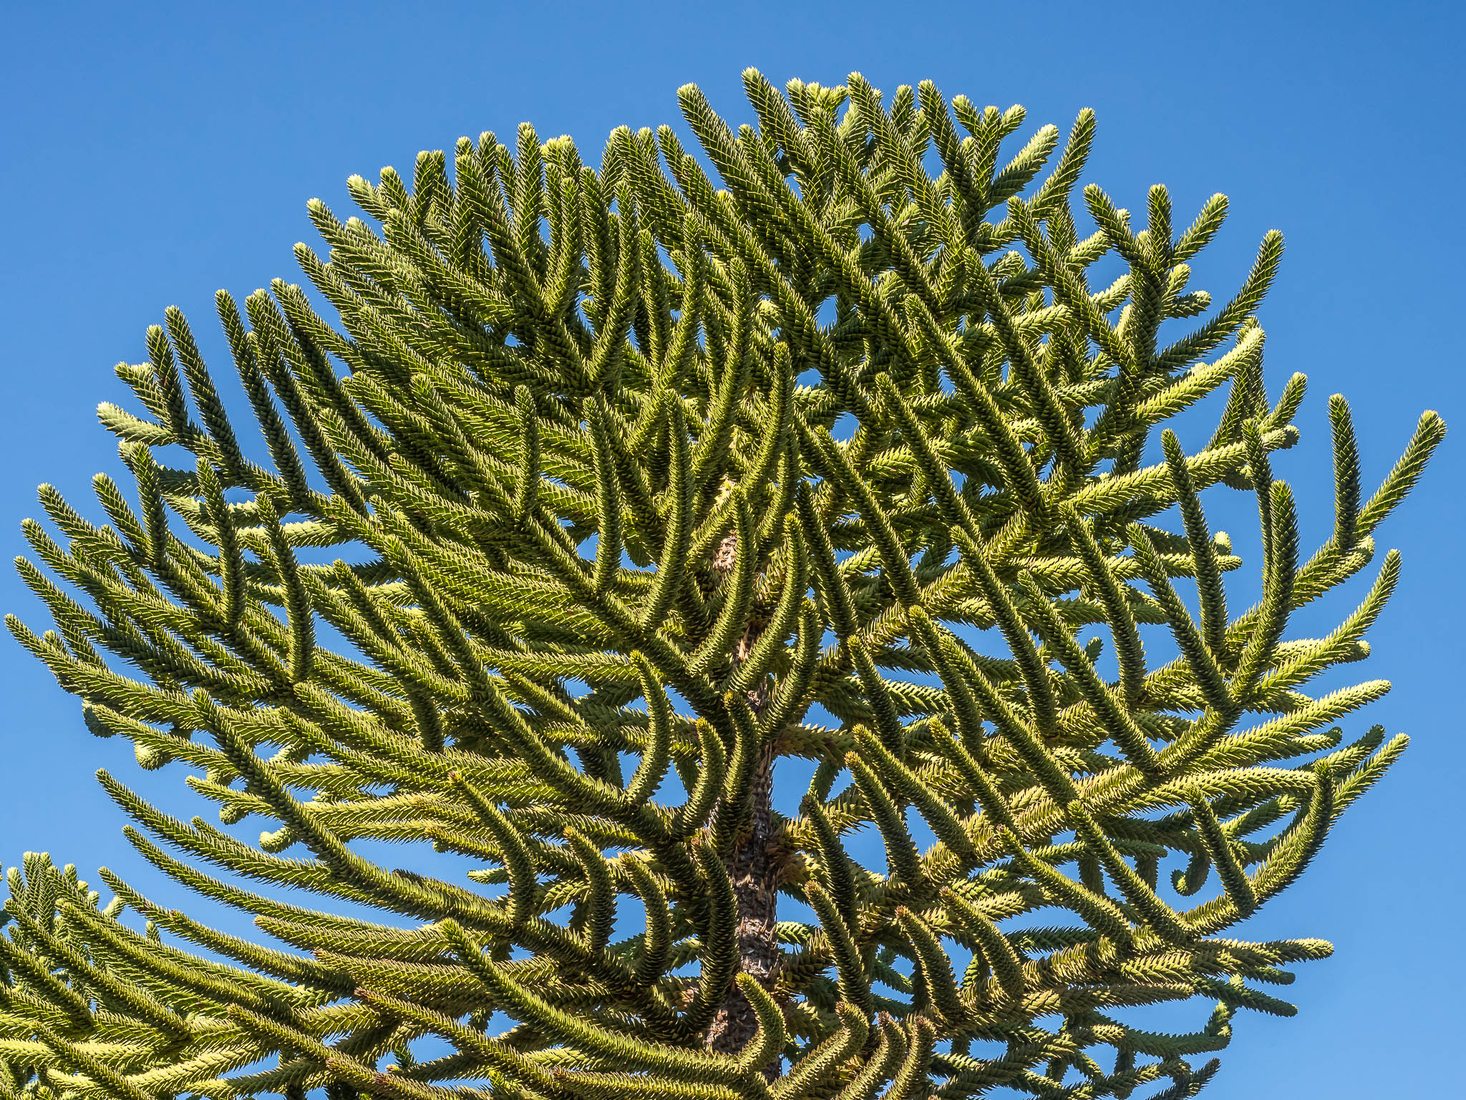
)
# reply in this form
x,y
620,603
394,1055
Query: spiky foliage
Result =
x,y
614,490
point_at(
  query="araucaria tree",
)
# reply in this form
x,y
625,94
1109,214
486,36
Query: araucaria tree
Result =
x,y
775,592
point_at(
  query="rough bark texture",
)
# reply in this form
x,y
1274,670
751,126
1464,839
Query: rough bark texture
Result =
x,y
754,866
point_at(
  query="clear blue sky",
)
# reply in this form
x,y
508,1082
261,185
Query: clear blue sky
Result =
x,y
154,152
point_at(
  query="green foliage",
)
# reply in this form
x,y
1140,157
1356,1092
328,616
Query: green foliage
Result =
x,y
876,480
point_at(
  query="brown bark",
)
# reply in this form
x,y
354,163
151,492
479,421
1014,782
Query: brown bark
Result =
x,y
754,864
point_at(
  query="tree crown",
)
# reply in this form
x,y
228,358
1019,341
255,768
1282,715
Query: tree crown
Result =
x,y
618,500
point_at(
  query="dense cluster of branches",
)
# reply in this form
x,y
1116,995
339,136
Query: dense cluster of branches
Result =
x,y
615,491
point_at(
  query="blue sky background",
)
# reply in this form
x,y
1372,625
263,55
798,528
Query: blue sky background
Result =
x,y
152,153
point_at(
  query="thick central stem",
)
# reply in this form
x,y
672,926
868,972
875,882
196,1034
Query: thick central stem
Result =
x,y
753,867
753,864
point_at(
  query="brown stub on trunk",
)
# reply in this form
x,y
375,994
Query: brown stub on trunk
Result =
x,y
754,866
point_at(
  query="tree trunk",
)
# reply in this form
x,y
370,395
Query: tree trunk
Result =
x,y
754,866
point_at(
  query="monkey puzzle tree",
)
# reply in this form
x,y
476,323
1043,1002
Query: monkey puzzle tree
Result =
x,y
617,503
